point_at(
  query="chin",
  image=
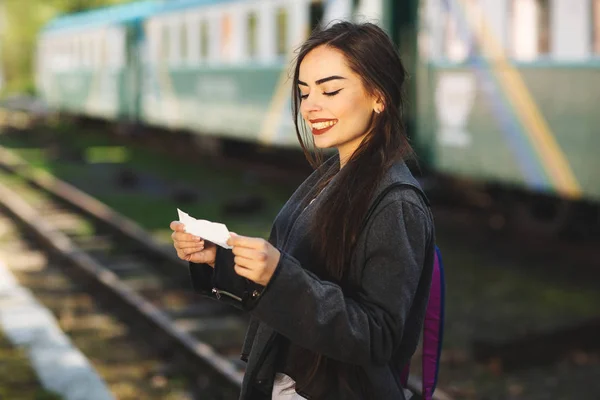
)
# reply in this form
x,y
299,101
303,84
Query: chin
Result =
x,y
323,143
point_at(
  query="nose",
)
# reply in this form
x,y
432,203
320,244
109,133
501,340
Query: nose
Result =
x,y
310,104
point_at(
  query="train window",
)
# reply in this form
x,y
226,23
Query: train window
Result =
x,y
86,54
104,50
252,35
543,23
282,34
316,12
54,54
530,28
63,54
121,48
455,41
85,51
94,43
204,39
175,26
460,31
153,31
183,39
74,53
193,39
58,56
51,56
71,54
596,27
96,49
69,58
74,48
165,43
475,15
82,52
116,49
67,55
226,37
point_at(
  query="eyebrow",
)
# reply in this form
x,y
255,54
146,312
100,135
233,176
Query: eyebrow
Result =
x,y
323,80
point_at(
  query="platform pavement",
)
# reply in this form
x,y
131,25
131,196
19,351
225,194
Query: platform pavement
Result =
x,y
59,365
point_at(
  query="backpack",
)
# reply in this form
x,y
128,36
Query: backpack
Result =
x,y
433,326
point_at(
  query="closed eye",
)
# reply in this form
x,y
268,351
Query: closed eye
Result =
x,y
332,93
329,94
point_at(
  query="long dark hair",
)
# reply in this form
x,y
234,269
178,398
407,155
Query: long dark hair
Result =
x,y
370,54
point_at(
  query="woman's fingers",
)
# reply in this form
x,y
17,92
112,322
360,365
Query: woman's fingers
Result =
x,y
244,262
187,237
244,252
185,254
192,250
186,245
244,272
177,226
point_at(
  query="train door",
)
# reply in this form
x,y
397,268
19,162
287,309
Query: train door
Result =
x,y
315,13
402,27
133,72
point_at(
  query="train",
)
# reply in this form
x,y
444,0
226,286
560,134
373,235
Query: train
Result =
x,y
502,93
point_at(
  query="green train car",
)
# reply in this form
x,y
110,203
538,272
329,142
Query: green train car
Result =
x,y
508,92
502,91
198,65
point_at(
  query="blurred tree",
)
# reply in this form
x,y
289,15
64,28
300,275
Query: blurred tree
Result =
x,y
20,22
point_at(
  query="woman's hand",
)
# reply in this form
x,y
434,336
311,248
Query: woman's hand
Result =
x,y
255,258
192,248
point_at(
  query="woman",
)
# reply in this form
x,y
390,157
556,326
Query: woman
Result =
x,y
337,294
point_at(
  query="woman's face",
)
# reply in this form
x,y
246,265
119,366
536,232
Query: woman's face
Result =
x,y
335,103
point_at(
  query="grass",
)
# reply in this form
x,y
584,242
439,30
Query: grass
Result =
x,y
495,298
17,378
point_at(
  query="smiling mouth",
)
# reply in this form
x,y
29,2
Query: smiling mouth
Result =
x,y
319,127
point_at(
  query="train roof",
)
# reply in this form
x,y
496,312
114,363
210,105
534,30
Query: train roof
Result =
x,y
122,13
174,5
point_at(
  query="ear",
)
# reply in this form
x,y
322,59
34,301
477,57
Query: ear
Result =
x,y
378,104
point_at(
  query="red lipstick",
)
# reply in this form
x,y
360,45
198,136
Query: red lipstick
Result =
x,y
321,131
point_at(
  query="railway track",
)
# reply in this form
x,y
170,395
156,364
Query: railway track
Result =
x,y
142,282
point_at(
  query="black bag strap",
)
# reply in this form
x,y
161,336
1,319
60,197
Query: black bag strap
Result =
x,y
388,189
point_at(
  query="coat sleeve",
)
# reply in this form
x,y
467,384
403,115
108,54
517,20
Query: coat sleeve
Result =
x,y
222,283
367,328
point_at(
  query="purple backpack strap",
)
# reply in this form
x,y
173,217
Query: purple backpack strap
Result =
x,y
433,330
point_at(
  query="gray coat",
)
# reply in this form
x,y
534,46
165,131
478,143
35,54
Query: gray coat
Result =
x,y
378,327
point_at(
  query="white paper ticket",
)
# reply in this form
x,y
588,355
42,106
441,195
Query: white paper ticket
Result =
x,y
211,231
